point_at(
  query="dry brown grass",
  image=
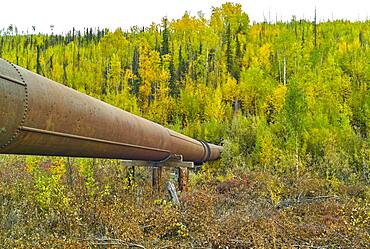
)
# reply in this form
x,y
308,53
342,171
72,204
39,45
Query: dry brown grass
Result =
x,y
241,210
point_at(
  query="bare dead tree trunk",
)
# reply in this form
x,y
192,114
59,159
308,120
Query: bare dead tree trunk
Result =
x,y
296,156
236,106
279,69
69,172
315,30
172,193
284,69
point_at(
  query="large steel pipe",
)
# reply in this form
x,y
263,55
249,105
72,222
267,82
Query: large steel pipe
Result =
x,y
41,117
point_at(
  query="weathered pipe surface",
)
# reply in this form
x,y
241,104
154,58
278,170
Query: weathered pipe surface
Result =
x,y
41,117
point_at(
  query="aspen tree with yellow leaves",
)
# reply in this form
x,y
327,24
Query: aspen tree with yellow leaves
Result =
x,y
289,101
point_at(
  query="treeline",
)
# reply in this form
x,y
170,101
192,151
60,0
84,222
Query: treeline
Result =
x,y
290,97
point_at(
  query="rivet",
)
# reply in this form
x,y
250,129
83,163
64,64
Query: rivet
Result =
x,y
25,107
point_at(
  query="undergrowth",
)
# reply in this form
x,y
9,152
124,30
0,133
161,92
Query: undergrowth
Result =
x,y
82,203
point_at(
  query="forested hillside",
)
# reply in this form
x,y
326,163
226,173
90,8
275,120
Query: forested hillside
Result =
x,y
290,99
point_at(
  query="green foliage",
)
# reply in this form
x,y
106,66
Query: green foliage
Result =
x,y
87,169
48,190
240,147
286,101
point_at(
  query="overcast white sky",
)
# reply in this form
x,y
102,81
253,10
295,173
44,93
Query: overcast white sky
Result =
x,y
65,14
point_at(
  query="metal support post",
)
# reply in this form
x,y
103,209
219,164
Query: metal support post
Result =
x,y
174,161
183,179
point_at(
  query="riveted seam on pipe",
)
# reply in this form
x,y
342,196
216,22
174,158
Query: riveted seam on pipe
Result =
x,y
25,105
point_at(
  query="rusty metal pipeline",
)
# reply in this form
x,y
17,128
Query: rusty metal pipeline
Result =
x,y
41,117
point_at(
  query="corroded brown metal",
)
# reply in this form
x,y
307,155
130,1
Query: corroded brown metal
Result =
x,y
41,117
157,178
183,179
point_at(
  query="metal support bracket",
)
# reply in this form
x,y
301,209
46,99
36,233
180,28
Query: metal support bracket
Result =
x,y
173,161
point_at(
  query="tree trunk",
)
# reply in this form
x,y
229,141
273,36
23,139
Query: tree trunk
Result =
x,y
284,70
296,156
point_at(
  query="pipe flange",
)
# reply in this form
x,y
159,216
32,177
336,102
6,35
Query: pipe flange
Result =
x,y
206,154
208,151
